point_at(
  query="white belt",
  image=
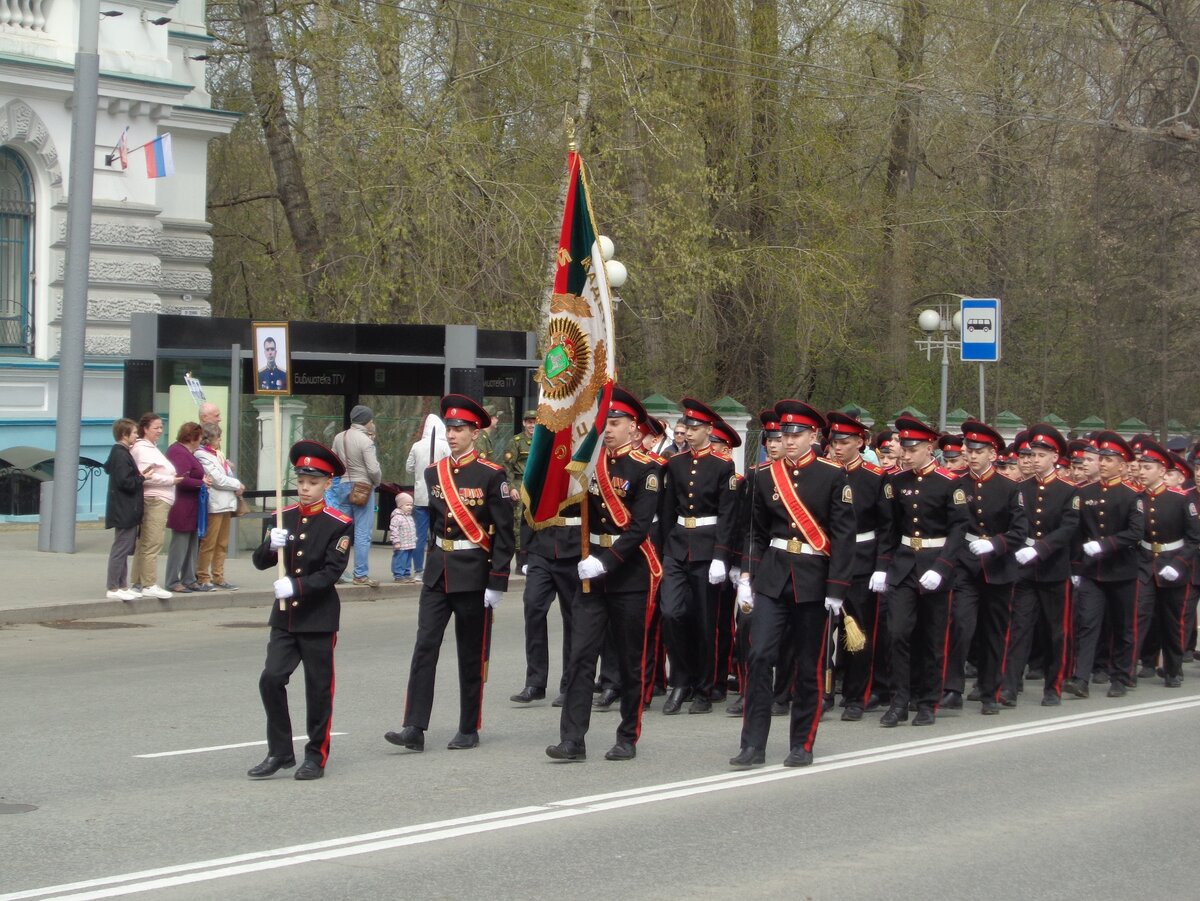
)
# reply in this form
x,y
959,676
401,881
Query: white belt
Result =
x,y
1159,548
971,537
695,522
794,546
602,540
571,521
917,543
865,536
447,545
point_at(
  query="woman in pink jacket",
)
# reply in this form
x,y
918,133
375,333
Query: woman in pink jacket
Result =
x,y
159,493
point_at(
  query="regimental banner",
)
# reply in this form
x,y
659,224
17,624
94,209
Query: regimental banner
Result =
x,y
579,367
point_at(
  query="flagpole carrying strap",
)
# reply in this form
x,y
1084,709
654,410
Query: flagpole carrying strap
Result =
x,y
800,515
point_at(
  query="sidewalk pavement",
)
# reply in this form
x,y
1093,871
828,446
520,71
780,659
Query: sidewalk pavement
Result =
x,y
41,587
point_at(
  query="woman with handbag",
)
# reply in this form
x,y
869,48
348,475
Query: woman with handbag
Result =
x,y
224,502
353,493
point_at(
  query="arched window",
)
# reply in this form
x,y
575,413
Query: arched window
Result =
x,y
16,255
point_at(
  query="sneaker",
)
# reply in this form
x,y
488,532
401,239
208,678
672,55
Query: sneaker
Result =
x,y
365,580
134,592
179,588
203,586
153,591
226,586
120,594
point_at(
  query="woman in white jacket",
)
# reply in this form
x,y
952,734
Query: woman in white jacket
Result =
x,y
426,451
223,496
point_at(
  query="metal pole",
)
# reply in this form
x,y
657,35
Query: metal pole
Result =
x,y
982,414
85,100
945,383
233,431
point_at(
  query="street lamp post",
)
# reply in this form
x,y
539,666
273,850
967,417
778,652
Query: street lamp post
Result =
x,y
941,327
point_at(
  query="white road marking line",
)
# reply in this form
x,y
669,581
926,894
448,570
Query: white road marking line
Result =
x,y
368,843
243,744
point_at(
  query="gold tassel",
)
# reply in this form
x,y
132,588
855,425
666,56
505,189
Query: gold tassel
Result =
x,y
852,635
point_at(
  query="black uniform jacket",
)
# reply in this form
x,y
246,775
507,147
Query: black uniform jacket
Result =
x,y
1052,508
483,487
636,479
698,484
1170,518
556,542
1109,512
872,513
996,511
823,488
319,543
926,503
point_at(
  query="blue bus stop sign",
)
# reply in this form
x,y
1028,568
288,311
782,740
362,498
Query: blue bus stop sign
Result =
x,y
979,329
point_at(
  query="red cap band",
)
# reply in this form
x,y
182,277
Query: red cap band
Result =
x,y
799,419
314,463
916,435
697,415
1156,457
465,415
845,428
617,406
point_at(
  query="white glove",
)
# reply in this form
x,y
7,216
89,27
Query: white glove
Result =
x,y
1092,548
981,546
716,572
525,569
492,597
590,568
734,574
878,583
1169,573
833,605
745,597
1074,581
931,580
284,588
1025,554
279,538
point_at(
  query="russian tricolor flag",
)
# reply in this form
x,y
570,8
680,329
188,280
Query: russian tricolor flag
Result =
x,y
160,163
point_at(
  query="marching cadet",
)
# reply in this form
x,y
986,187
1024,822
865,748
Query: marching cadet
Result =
x,y
1085,462
619,577
1167,552
471,547
699,494
1105,563
953,459
1182,476
884,445
1043,593
1024,455
873,517
314,540
929,520
803,538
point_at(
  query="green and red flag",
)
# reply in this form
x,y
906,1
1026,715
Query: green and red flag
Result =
x,y
579,367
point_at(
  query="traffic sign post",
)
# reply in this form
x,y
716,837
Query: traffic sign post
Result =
x,y
979,329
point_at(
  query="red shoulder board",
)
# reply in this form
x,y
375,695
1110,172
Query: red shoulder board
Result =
x,y
490,465
1133,486
829,462
641,456
659,459
338,514
1178,491
871,467
722,455
948,473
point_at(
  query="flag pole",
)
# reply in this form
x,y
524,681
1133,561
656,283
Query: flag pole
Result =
x,y
280,566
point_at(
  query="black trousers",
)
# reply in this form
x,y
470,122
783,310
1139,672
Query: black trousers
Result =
x,y
1149,640
989,618
863,605
918,624
1039,606
774,624
1170,618
688,606
546,579
964,620
784,666
723,640
470,629
624,615
1115,603
286,651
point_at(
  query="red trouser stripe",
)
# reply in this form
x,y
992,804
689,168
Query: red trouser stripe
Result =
x,y
646,681
483,663
812,730
870,649
945,648
1066,644
332,683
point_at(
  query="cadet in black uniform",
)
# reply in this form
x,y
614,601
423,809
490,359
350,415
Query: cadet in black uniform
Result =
x,y
1105,562
983,599
1043,592
803,538
1166,554
699,497
873,517
619,573
315,540
929,519
470,550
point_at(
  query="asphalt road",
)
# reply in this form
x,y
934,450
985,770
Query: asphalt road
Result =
x,y
1095,799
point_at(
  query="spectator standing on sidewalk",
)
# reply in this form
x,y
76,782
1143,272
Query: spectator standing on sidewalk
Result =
x,y
403,536
123,511
425,452
158,492
223,492
357,451
184,518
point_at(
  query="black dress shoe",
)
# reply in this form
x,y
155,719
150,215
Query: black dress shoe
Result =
x,y
674,702
852,714
1116,689
409,737
605,699
748,757
1173,681
874,702
1146,672
798,757
559,699
974,694
894,715
1007,698
528,694
309,770
700,705
463,741
1051,699
1076,687
736,708
969,670
924,716
990,708
1099,678
566,750
622,750
270,766
952,700
780,708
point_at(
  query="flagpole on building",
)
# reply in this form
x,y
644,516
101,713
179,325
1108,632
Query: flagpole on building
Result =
x,y
85,101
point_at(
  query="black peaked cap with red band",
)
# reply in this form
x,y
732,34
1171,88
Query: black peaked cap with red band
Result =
x,y
951,445
1153,451
1042,434
653,427
770,424
696,413
882,438
1080,446
458,409
724,432
625,403
1184,467
911,430
843,424
979,434
312,458
796,416
1110,444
